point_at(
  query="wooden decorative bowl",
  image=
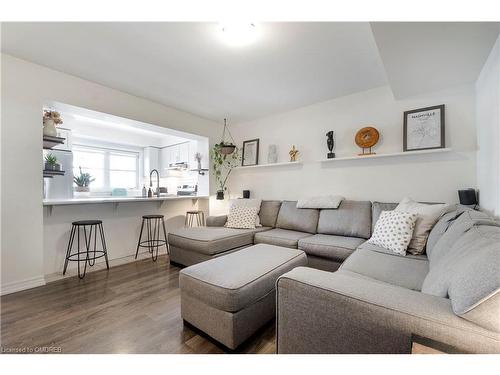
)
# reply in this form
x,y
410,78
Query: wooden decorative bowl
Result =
x,y
367,137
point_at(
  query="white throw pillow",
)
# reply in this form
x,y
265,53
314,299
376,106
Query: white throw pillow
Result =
x,y
394,230
428,215
248,203
322,201
241,217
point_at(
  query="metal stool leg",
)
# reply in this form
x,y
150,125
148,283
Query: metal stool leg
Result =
x,y
139,242
165,236
70,246
104,247
156,239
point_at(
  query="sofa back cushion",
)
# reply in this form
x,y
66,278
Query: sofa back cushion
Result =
x,y
352,219
269,213
469,275
474,288
473,250
377,208
443,246
300,219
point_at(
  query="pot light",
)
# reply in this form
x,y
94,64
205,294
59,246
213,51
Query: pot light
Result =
x,y
238,33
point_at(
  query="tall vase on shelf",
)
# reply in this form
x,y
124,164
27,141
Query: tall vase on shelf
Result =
x,y
50,120
49,128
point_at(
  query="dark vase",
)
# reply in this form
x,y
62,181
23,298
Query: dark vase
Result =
x,y
220,195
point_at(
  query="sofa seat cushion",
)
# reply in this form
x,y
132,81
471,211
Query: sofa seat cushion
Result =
x,y
212,240
281,237
237,280
381,264
337,248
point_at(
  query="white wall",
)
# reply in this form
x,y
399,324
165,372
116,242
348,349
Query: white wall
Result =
x,y
488,128
433,177
25,87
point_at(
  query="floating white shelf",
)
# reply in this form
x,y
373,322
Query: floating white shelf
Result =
x,y
395,154
271,165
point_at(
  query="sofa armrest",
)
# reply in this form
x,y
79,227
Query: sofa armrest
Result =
x,y
344,312
216,221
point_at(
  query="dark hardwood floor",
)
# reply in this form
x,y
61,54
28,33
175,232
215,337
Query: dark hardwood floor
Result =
x,y
132,308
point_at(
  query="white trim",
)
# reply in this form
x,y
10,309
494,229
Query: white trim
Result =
x,y
17,286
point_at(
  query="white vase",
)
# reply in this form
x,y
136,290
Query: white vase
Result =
x,y
272,155
49,128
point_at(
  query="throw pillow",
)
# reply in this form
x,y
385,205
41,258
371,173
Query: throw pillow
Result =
x,y
241,217
427,216
393,231
248,203
322,201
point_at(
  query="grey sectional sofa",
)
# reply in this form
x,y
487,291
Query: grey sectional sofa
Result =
x,y
376,301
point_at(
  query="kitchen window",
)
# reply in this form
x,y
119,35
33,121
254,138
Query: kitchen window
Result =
x,y
111,168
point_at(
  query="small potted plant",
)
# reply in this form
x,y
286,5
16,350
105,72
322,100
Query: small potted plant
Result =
x,y
51,163
83,181
50,120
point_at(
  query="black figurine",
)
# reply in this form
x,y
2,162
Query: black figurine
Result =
x,y
330,143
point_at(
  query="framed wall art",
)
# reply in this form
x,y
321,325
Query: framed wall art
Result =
x,y
423,129
250,153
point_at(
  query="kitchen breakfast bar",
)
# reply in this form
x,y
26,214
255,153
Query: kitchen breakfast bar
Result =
x,y
122,220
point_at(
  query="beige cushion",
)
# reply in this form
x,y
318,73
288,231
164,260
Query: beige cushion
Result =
x,y
241,217
394,230
320,201
247,203
428,215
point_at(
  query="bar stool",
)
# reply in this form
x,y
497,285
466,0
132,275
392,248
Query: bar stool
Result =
x,y
153,241
87,256
190,215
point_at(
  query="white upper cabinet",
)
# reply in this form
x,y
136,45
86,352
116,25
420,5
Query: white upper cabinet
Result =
x,y
151,159
169,155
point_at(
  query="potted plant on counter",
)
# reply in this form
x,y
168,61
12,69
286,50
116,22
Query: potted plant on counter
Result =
x,y
51,163
223,164
83,181
50,120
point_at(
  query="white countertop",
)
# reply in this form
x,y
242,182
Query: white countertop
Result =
x,y
94,200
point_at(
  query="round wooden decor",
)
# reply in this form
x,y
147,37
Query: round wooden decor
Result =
x,y
367,137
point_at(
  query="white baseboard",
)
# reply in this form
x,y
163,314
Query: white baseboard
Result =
x,y
17,286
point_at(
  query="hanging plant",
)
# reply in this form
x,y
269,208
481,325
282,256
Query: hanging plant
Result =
x,y
226,148
223,164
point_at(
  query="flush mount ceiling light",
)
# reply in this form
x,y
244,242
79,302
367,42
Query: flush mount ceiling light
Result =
x,y
238,33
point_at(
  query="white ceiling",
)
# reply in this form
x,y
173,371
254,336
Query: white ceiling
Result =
x,y
185,65
421,57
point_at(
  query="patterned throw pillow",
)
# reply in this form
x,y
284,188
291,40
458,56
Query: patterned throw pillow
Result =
x,y
241,217
394,230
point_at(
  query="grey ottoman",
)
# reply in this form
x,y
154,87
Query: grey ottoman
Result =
x,y
231,297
